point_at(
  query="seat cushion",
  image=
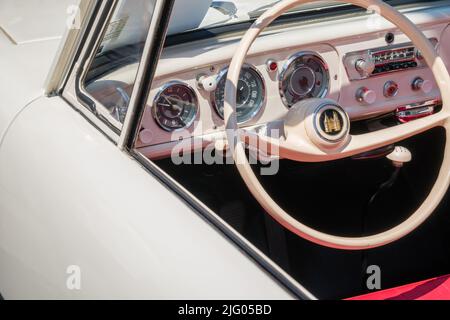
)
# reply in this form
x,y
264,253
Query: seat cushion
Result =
x,y
433,289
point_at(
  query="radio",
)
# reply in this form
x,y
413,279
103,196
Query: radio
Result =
x,y
368,63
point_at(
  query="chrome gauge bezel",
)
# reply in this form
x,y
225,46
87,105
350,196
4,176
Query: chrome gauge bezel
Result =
x,y
283,80
158,96
257,110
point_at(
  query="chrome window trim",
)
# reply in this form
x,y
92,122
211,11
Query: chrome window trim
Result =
x,y
141,90
73,90
68,49
85,98
99,19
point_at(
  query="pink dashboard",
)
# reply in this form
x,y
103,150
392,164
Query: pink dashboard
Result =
x,y
370,73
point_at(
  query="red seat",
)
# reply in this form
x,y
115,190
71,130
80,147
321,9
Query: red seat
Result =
x,y
433,289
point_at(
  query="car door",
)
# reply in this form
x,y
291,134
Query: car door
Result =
x,y
80,219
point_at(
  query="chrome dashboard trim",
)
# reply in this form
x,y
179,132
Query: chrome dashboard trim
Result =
x,y
356,76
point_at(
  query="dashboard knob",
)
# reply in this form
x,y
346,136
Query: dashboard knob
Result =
x,y
365,67
365,95
390,89
419,84
207,83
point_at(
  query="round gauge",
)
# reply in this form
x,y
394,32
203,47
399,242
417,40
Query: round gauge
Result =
x,y
175,106
251,93
304,76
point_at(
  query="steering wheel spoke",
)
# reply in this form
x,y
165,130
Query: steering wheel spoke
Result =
x,y
298,146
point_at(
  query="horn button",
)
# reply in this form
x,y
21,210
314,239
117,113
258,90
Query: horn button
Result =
x,y
331,123
327,124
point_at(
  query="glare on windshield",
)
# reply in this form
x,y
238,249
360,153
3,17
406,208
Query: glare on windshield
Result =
x,y
195,14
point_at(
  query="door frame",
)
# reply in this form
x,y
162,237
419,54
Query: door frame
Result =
x,y
77,49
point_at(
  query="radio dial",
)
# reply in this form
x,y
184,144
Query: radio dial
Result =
x,y
365,67
420,84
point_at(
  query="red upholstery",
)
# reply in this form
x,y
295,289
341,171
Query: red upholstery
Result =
x,y
433,289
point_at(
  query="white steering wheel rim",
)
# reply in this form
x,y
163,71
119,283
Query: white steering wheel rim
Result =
x,y
238,149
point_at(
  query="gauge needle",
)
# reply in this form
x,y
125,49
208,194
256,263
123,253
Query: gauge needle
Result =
x,y
177,107
168,101
170,104
176,103
183,124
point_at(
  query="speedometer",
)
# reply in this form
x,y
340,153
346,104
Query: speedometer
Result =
x,y
250,94
304,76
175,106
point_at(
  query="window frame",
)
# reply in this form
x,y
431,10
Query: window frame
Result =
x,y
77,52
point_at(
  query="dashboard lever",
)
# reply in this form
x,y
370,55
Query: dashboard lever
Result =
x,y
375,154
400,156
207,83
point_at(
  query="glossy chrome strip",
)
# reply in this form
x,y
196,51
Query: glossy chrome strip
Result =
x,y
141,89
349,59
70,45
72,91
85,97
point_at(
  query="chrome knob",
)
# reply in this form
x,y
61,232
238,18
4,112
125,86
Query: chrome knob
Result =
x,y
365,95
419,84
365,67
390,89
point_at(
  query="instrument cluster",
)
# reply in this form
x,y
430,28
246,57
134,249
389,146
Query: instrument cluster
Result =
x,y
304,75
372,76
367,83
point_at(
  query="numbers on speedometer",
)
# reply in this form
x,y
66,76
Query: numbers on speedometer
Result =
x,y
175,106
305,75
250,94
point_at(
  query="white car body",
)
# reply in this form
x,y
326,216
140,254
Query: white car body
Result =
x,y
49,218
71,199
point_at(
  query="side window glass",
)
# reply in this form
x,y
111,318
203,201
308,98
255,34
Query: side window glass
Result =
x,y
112,73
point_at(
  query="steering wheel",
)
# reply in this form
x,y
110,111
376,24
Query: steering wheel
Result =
x,y
307,136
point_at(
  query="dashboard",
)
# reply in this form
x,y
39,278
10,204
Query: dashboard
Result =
x,y
369,71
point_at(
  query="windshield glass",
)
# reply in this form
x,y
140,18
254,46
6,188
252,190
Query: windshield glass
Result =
x,y
199,14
